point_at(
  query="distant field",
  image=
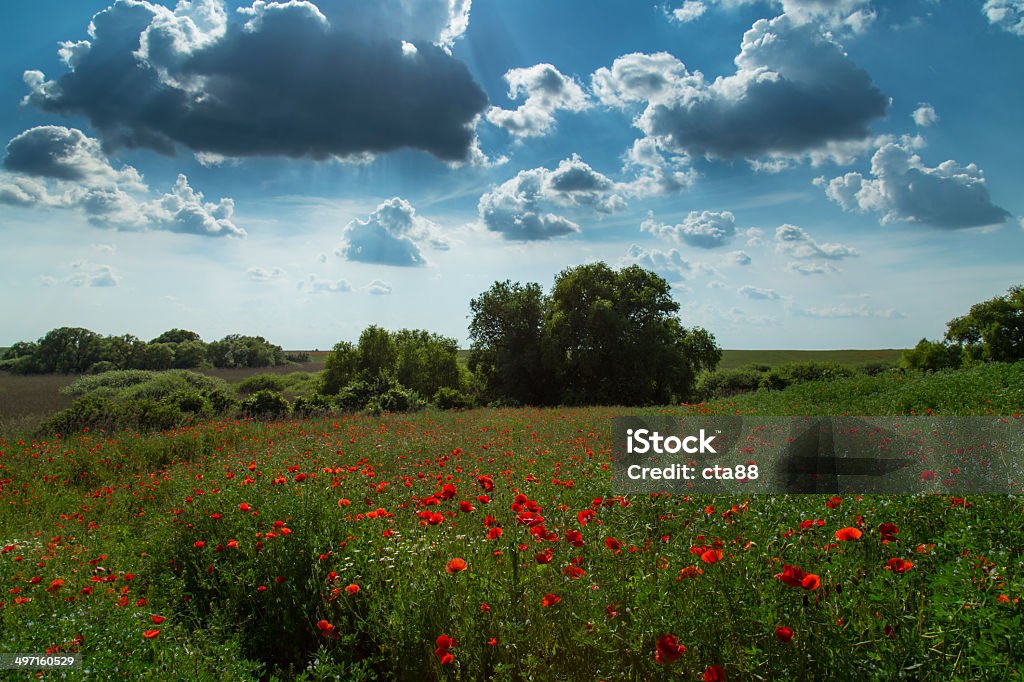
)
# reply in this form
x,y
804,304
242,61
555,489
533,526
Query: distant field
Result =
x,y
732,359
26,400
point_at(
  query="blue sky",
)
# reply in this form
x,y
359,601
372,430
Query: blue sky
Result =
x,y
805,173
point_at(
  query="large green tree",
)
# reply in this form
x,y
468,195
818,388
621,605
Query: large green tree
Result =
x,y
507,343
992,329
616,338
602,336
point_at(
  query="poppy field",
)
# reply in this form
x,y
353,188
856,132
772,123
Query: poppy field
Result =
x,y
483,544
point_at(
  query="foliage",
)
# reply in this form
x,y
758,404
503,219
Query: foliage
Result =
x,y
236,350
265,405
991,331
447,398
932,355
389,371
602,336
311,405
507,350
260,382
74,350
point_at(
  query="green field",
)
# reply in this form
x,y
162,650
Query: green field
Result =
x,y
731,359
488,544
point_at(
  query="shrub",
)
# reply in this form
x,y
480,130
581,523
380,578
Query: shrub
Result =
x,y
101,367
932,356
354,396
313,404
448,398
395,399
875,368
728,382
260,382
116,380
265,405
190,402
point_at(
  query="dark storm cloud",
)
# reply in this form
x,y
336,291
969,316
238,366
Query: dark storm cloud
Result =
x,y
794,90
276,79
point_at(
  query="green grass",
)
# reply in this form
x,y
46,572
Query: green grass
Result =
x,y
731,359
316,506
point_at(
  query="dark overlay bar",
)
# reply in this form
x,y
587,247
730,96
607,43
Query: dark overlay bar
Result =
x,y
831,455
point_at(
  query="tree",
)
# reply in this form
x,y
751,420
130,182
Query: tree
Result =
x,y
991,330
69,349
426,362
340,368
189,354
177,336
602,336
378,353
931,356
617,339
507,334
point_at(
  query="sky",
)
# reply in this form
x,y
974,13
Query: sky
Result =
x,y
806,174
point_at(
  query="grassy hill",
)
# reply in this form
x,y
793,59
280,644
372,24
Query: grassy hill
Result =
x,y
732,359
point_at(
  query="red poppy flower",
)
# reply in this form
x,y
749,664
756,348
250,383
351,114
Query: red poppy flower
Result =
x,y
784,634
888,532
574,572
849,533
791,575
324,626
810,582
550,599
574,538
494,533
529,519
668,649
455,565
898,565
613,544
150,634
714,673
157,619
544,557
199,544
711,556
244,507
465,507
352,589
444,643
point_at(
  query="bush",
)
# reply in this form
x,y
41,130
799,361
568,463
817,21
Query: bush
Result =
x,y
260,382
448,398
932,356
95,411
395,399
313,404
265,405
354,396
190,402
101,367
728,382
872,369
116,380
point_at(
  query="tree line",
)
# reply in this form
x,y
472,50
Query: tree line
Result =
x,y
991,331
75,350
600,336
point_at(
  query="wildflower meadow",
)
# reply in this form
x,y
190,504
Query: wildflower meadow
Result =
x,y
481,544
